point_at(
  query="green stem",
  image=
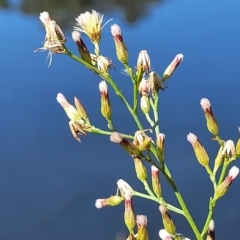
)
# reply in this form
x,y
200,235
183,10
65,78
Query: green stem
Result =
x,y
212,203
155,112
103,132
149,120
211,176
223,172
167,205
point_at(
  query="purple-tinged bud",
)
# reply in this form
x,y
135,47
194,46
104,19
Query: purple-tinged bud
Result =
x,y
212,124
121,49
82,48
223,187
106,109
143,62
129,217
111,201
199,150
167,221
140,169
142,233
172,66
123,187
142,141
129,147
211,231
164,235
155,182
160,146
229,149
145,104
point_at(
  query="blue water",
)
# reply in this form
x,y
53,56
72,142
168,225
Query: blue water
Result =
x,y
49,182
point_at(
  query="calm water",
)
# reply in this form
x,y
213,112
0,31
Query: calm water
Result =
x,y
48,181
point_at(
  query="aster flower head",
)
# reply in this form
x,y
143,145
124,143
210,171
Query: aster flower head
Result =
x,y
91,24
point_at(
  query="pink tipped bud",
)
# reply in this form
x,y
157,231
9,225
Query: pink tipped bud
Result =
x,y
142,227
167,221
129,217
212,124
199,150
172,66
69,109
76,36
160,146
121,49
155,182
106,109
223,187
111,201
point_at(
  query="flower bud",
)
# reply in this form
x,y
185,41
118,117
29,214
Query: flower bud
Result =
x,y
155,182
142,233
160,146
142,141
121,49
223,187
211,231
155,83
105,103
145,104
173,65
129,217
123,187
70,110
199,150
212,124
219,159
129,147
167,221
111,201
229,149
164,235
140,169
143,87
143,62
82,48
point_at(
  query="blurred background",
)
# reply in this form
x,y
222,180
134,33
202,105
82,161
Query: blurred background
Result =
x,y
48,181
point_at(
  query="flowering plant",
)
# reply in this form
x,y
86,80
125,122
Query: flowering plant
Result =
x,y
142,148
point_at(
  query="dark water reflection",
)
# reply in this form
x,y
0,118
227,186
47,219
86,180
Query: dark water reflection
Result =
x,y
49,182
